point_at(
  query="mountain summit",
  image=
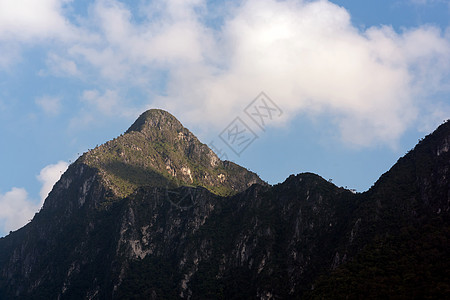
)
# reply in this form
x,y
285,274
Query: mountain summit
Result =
x,y
158,151
158,119
154,214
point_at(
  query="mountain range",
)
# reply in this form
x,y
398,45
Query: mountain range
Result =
x,y
155,214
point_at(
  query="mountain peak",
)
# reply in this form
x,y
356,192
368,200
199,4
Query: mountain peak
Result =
x,y
157,150
155,119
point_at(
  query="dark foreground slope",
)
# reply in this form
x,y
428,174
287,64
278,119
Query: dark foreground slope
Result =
x,y
129,221
401,232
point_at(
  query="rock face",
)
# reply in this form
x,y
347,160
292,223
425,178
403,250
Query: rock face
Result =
x,y
154,214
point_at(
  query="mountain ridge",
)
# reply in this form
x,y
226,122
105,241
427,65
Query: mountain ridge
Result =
x,y
170,237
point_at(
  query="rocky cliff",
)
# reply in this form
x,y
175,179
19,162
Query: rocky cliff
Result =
x,y
154,214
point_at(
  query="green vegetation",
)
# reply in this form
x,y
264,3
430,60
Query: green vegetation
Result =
x,y
158,151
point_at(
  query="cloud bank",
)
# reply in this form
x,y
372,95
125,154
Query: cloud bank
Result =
x,y
372,84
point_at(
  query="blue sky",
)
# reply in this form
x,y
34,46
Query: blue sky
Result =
x,y
357,83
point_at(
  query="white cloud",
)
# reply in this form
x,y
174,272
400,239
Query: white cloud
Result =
x,y
28,23
49,176
50,105
310,59
16,208
27,19
306,55
171,34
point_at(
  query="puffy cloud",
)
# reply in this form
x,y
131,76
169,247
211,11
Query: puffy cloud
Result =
x,y
372,84
16,208
28,22
50,105
312,60
26,19
306,55
49,176
170,34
